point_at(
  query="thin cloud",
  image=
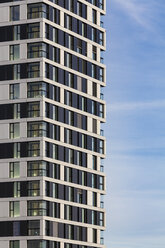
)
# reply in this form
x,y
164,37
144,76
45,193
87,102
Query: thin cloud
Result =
x,y
129,106
138,11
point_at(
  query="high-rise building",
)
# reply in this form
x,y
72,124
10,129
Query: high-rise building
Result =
x,y
52,145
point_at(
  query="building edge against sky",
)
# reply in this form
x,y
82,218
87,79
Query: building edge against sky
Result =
x,y
52,146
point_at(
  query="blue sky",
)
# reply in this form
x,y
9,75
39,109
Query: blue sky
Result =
x,y
135,128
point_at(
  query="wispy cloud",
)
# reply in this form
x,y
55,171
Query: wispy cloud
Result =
x,y
129,106
139,11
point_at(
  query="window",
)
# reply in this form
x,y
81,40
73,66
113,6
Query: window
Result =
x,y
94,162
14,130
101,76
94,36
84,29
71,118
14,52
79,46
71,80
14,91
55,35
101,183
55,74
16,110
14,13
79,83
68,212
33,149
16,189
101,111
55,190
94,16
94,52
33,109
38,10
37,168
37,129
79,195
68,136
14,207
14,244
68,22
101,147
16,150
70,232
47,31
93,71
16,72
94,125
101,201
68,60
34,188
101,219
71,5
68,98
94,235
94,181
37,244
71,156
33,30
68,174
101,4
14,169
37,50
94,199
71,194
33,70
37,89
55,152
94,217
34,228
70,42
101,40
84,141
101,237
37,208
16,32
79,8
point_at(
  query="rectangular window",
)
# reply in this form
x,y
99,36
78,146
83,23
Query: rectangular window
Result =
x,y
38,89
79,46
37,129
37,208
101,114
14,130
79,9
14,169
16,32
33,228
94,16
101,40
14,207
34,70
101,183
94,199
94,52
94,235
16,189
70,42
14,244
14,13
33,109
94,125
101,147
16,150
55,35
93,71
34,188
94,162
16,72
37,10
33,149
14,91
37,168
37,50
94,36
33,30
68,22
14,52
16,110
68,212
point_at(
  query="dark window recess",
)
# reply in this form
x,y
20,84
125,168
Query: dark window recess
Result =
x,y
20,32
42,243
13,228
67,193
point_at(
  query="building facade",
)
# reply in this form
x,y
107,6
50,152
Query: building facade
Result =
x,y
52,146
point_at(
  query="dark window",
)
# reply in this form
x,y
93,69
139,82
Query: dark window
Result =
x,y
37,89
14,244
37,208
37,168
14,91
33,109
34,228
33,149
34,188
33,70
38,10
16,32
14,13
37,50
33,30
37,129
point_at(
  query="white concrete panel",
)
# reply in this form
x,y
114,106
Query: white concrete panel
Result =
x,y
90,83
62,57
23,243
62,211
89,13
4,244
62,173
4,131
23,51
98,127
89,51
90,235
23,208
4,209
89,161
42,29
4,92
23,11
23,169
23,130
89,200
4,14
4,53
23,90
62,19
4,169
62,134
62,95
98,18
89,123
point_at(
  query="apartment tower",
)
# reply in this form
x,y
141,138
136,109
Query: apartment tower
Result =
x,y
52,145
